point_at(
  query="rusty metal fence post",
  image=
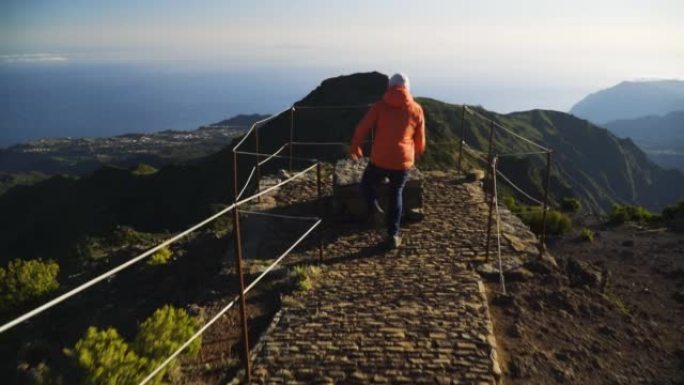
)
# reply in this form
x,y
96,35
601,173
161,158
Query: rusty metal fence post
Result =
x,y
542,238
460,147
258,161
243,307
237,240
490,154
292,112
319,188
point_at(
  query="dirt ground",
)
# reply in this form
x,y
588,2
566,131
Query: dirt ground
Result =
x,y
611,313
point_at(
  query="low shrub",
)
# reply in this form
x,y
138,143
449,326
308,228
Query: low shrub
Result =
x,y
160,257
143,169
124,236
107,359
570,205
305,275
510,202
557,223
586,235
626,213
25,280
165,331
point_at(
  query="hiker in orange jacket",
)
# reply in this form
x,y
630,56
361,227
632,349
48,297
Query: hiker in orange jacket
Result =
x,y
399,137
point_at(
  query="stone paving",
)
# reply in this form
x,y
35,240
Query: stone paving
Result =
x,y
416,315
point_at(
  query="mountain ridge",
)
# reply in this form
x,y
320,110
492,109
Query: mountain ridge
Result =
x,y
631,99
63,212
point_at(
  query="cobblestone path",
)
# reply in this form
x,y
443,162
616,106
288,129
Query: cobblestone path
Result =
x,y
416,315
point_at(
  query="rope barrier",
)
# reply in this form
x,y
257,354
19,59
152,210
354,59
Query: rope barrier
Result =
x,y
510,131
276,156
260,122
281,216
249,179
520,190
522,153
278,151
498,226
227,307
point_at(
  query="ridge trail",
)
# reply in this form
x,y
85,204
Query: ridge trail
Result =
x,y
413,315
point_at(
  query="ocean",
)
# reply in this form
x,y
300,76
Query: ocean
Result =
x,y
96,100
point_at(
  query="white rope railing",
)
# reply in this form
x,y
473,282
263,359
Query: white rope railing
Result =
x,y
258,123
281,216
498,227
278,151
249,179
508,130
518,189
226,308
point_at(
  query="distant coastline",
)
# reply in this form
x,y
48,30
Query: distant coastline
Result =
x,y
48,101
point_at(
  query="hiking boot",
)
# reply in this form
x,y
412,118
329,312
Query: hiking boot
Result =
x,y
395,242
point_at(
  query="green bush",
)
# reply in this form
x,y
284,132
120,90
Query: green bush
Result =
x,y
625,213
557,223
143,169
305,276
109,360
22,281
124,236
570,205
161,256
586,235
510,202
165,331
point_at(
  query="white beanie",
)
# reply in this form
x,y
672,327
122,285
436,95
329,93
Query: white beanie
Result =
x,y
399,79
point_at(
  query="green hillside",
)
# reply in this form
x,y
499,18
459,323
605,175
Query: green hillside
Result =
x,y
50,219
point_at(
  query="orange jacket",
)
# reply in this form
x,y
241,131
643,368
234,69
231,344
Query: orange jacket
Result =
x,y
399,131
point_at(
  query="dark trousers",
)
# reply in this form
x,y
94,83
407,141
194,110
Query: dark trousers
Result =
x,y
397,180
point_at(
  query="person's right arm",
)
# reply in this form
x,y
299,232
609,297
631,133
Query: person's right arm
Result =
x,y
362,130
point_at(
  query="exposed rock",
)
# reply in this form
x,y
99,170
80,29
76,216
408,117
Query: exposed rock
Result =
x,y
474,175
582,274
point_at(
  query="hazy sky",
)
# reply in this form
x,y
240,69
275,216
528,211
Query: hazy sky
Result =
x,y
504,54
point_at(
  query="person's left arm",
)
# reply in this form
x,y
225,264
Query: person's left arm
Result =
x,y
361,131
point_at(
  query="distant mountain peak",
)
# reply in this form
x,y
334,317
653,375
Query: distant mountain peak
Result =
x,y
358,88
632,99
